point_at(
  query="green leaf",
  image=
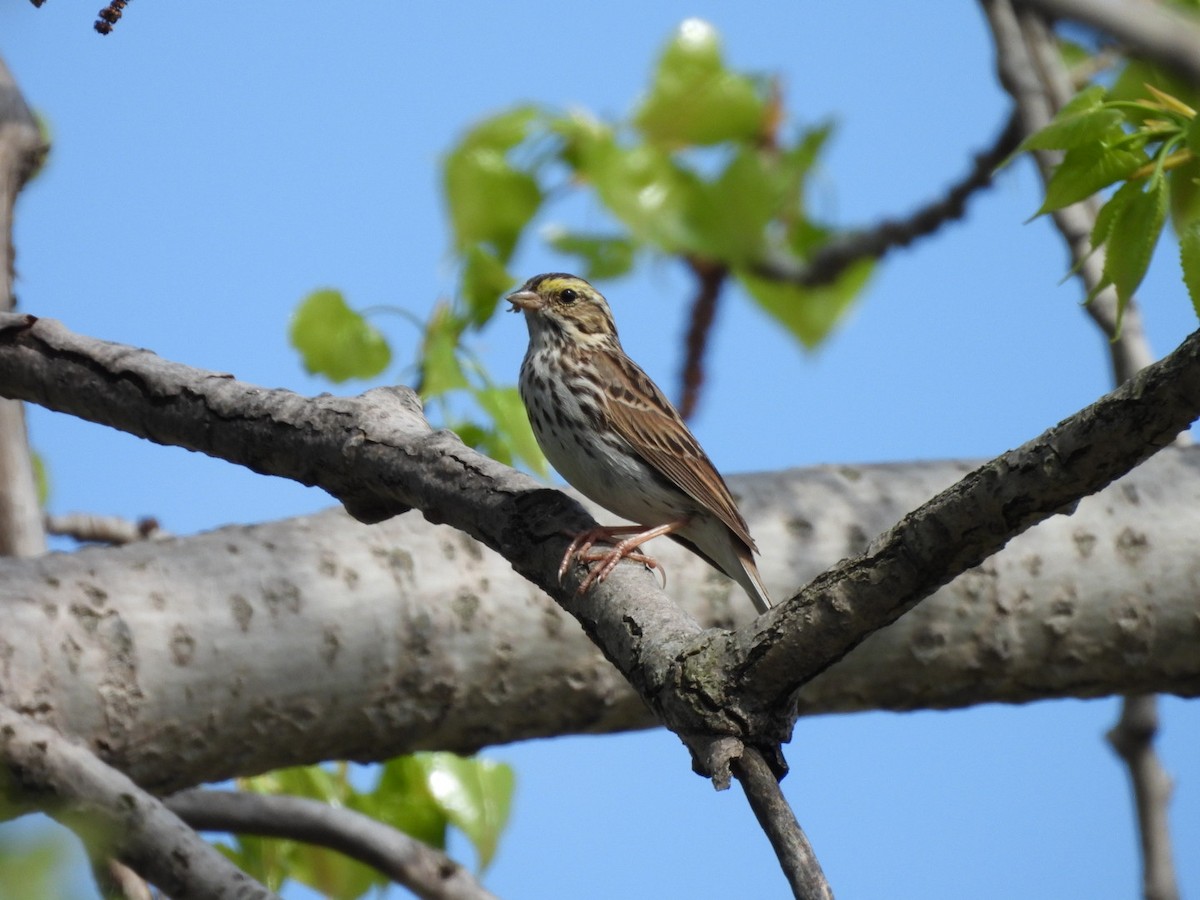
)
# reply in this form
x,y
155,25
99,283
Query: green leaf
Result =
x,y
1189,258
1184,184
504,130
1091,97
1102,227
808,313
490,199
1131,242
729,216
643,187
694,99
1086,170
475,794
41,478
402,799
507,410
603,256
1077,130
335,341
796,162
484,280
441,370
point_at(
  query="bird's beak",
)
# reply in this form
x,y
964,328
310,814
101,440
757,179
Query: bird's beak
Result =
x,y
525,301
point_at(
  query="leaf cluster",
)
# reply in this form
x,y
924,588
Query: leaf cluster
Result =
x,y
1140,137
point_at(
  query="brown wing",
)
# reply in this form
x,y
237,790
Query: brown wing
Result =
x,y
647,420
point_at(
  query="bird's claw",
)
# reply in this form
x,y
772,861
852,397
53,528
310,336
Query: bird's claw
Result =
x,y
580,550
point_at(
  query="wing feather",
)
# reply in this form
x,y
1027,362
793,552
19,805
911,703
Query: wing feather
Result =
x,y
646,419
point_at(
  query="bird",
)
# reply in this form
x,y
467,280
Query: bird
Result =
x,y
611,433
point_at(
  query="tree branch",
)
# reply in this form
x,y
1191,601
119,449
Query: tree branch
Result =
x,y
1030,71
791,845
785,648
21,150
828,263
87,528
426,872
710,278
70,782
1133,740
1161,33
367,642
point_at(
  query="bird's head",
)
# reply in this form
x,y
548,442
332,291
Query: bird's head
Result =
x,y
557,305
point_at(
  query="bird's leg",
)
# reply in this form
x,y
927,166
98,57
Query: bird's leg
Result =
x,y
582,543
581,548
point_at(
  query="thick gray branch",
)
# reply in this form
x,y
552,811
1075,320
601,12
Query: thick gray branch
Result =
x,y
365,642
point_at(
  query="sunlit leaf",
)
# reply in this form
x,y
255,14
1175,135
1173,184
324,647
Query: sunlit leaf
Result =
x,y
1102,227
484,281
441,370
1131,242
1189,257
476,795
504,405
490,199
335,341
808,313
728,216
1086,170
695,99
1079,130
1184,185
603,256
402,799
644,188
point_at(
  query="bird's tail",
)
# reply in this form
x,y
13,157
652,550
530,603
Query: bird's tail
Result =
x,y
749,579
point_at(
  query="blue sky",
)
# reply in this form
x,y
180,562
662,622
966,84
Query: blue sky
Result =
x,y
214,164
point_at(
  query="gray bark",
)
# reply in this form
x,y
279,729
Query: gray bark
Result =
x,y
253,647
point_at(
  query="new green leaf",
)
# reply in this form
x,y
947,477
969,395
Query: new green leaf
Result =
x,y
335,341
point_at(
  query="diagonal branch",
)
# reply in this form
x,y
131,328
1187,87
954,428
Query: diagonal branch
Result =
x,y
791,845
144,834
833,259
427,872
956,530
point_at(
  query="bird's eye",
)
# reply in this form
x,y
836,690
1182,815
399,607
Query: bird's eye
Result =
x,y
568,296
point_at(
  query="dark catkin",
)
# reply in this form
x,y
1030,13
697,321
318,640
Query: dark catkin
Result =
x,y
109,16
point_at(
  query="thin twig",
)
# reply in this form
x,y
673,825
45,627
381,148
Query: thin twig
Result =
x,y
710,278
771,808
426,872
1133,740
69,781
113,530
836,257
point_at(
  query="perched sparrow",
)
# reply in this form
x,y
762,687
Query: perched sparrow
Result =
x,y
610,432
